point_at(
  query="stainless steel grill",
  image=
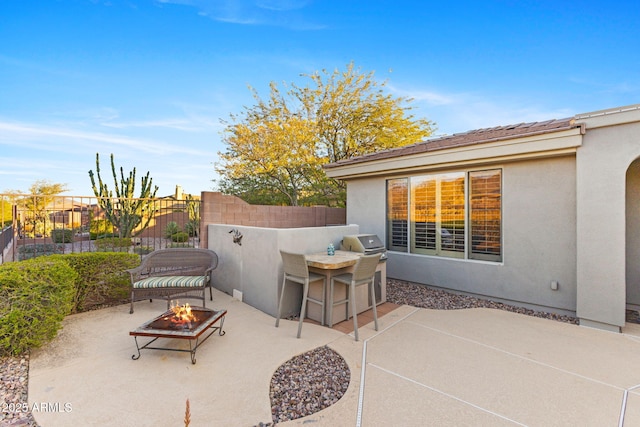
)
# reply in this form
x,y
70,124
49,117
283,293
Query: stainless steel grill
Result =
x,y
369,244
363,243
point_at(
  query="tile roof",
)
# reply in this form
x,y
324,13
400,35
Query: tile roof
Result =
x,y
473,137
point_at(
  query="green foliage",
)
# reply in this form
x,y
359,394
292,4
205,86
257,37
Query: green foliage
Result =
x,y
180,237
6,212
192,228
277,148
100,227
171,229
193,209
252,190
62,235
36,207
128,214
100,277
35,295
142,250
113,244
180,245
38,249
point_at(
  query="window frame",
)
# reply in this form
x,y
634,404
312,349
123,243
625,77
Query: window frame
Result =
x,y
495,251
434,231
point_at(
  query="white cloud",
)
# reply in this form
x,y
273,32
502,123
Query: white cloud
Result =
x,y
175,124
66,139
280,13
281,5
429,97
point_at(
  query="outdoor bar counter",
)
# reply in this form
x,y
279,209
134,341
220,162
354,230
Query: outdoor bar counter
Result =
x,y
333,265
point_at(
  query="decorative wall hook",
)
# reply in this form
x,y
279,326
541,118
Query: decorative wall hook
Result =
x,y
237,236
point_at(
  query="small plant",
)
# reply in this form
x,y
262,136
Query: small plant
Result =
x,y
100,227
180,237
187,415
192,228
171,229
142,250
113,244
38,249
180,245
62,235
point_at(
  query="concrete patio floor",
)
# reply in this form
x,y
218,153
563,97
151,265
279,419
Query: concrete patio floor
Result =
x,y
424,367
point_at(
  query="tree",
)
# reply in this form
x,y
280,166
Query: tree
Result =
x,y
276,148
36,206
128,214
6,212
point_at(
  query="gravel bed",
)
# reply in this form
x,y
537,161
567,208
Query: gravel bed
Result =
x,y
308,383
14,372
404,293
301,386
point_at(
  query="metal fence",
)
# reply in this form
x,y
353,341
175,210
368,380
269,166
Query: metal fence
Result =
x,y
40,225
6,237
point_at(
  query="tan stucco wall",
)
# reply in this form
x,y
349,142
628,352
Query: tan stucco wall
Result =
x,y
538,229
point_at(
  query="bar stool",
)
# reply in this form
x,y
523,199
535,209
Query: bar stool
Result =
x,y
296,270
363,273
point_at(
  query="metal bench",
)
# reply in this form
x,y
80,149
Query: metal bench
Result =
x,y
173,273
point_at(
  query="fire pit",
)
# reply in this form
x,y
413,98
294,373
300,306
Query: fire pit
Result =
x,y
180,322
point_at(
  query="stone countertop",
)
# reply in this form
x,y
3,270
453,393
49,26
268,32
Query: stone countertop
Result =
x,y
332,262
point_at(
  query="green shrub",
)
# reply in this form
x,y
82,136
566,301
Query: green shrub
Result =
x,y
100,227
142,250
105,236
35,295
113,244
171,229
101,277
180,245
38,249
192,228
62,235
180,237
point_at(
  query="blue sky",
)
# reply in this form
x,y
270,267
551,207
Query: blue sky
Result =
x,y
150,80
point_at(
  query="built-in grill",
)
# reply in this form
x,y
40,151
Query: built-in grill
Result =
x,y
363,243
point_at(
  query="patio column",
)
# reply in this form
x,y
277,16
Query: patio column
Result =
x,y
611,143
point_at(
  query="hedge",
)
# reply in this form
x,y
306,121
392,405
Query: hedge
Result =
x,y
62,235
35,295
113,244
101,276
34,250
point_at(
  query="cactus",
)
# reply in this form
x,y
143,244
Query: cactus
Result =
x,y
128,214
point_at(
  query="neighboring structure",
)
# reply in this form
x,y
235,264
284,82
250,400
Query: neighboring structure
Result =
x,y
545,214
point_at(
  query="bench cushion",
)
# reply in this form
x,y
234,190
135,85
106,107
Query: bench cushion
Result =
x,y
170,282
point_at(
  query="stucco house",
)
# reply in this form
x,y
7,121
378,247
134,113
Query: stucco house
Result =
x,y
544,215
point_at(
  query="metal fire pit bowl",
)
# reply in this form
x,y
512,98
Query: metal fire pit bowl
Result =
x,y
162,327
